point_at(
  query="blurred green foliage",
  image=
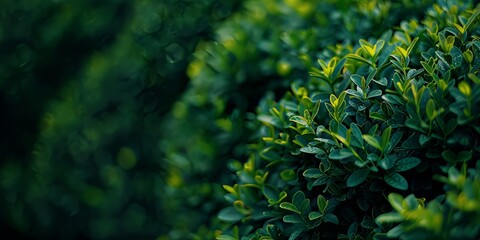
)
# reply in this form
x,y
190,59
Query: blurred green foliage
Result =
x,y
42,44
85,86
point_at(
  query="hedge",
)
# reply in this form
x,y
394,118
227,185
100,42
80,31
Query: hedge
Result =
x,y
257,50
381,134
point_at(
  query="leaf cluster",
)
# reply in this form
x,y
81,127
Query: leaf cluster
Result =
x,y
381,119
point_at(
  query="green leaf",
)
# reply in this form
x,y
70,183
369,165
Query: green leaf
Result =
x,y
442,41
298,198
288,174
357,133
396,180
468,56
424,139
393,99
331,218
377,116
394,140
312,150
396,200
358,58
412,45
302,140
340,154
427,67
357,177
269,120
290,207
396,231
295,234
316,109
299,119
471,19
322,203
410,202
354,93
402,51
270,192
339,67
465,88
383,81
372,141
430,110
379,46
292,219
464,156
312,173
449,156
357,79
269,154
321,181
414,124
389,218
230,214
282,195
307,102
370,76
387,162
405,164
386,138
457,57
314,215
374,93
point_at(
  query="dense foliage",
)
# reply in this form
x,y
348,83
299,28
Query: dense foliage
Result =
x,y
229,75
394,116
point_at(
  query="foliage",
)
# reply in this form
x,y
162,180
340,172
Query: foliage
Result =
x,y
369,119
259,49
454,215
32,36
379,119
93,77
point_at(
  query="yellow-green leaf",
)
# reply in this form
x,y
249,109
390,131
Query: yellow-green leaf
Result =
x,y
465,88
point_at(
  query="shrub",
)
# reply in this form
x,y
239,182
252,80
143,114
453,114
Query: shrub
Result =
x,y
381,120
256,50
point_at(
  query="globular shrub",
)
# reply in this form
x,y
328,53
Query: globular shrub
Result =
x,y
262,48
395,116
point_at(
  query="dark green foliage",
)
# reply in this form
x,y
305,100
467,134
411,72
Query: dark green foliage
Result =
x,y
32,35
96,78
256,50
382,119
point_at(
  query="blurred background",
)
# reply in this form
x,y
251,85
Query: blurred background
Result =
x,y
119,117
84,88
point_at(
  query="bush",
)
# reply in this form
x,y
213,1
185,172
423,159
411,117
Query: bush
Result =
x,y
382,119
229,75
